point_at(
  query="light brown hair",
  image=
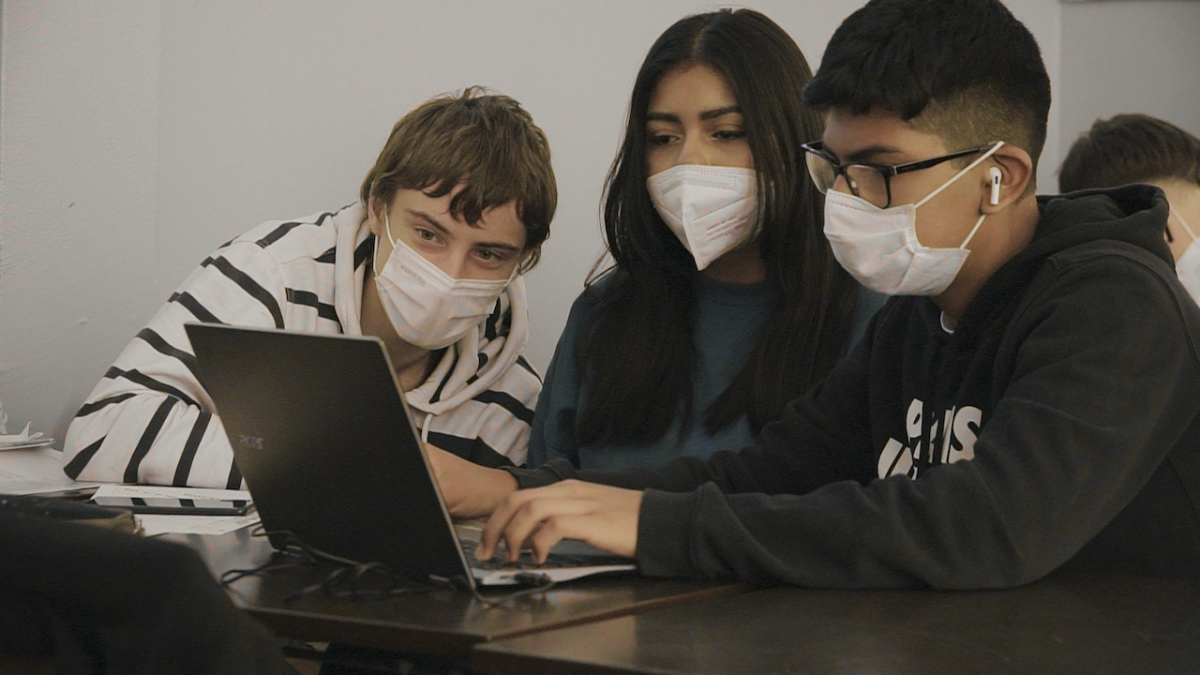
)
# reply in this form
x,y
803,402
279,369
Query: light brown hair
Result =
x,y
485,142
1130,148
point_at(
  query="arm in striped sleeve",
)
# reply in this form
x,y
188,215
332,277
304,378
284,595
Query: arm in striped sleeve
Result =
x,y
149,420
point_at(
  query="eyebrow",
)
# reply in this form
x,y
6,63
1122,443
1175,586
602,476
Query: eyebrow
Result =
x,y
704,116
432,222
500,247
429,220
868,153
720,112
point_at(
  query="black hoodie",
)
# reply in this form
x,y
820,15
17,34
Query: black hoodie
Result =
x,y
1058,422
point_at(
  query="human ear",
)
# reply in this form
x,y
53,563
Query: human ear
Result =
x,y
1016,170
374,221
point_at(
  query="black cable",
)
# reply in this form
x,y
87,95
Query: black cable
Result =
x,y
278,560
534,583
346,581
343,583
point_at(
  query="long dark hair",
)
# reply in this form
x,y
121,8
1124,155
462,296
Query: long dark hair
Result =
x,y
638,357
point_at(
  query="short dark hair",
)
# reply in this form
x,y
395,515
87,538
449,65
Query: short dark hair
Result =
x,y
1130,148
488,143
966,70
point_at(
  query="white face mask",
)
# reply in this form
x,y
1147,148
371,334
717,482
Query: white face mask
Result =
x,y
879,247
712,209
1188,265
427,307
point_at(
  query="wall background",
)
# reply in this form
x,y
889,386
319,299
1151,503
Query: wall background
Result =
x,y
136,136
1117,57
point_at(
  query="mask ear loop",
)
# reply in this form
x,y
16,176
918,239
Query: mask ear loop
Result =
x,y
387,228
958,175
973,231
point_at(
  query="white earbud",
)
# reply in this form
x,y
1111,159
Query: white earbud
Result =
x,y
995,176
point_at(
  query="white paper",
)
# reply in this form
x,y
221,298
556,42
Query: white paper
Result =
x,y
21,437
154,524
143,491
24,440
40,471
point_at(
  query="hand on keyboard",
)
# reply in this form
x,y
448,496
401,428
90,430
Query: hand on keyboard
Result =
x,y
605,517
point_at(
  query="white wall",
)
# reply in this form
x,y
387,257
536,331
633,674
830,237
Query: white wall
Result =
x,y
1120,57
78,197
136,136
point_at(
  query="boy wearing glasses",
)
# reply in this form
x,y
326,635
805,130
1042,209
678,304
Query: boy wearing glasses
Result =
x,y
1028,399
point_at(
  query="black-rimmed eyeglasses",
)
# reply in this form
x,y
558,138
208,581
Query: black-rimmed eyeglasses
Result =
x,y
872,182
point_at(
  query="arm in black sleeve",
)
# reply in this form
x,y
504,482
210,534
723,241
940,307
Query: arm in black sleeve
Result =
x,y
1104,382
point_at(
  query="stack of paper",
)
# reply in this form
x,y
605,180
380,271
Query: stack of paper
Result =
x,y
154,525
38,472
24,440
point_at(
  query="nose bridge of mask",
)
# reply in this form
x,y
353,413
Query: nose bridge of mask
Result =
x,y
424,271
404,260
703,195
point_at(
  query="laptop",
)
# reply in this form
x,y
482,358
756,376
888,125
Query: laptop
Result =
x,y
326,443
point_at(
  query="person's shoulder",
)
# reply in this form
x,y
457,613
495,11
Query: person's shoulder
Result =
x,y
1100,239
520,380
1113,258
604,288
310,237
604,285
1117,284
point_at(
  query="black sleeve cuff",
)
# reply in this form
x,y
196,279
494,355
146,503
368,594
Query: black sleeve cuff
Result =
x,y
550,472
664,533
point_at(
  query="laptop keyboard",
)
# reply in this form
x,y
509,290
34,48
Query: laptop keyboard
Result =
x,y
553,561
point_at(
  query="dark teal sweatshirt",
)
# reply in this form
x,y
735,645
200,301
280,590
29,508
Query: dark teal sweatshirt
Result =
x,y
729,319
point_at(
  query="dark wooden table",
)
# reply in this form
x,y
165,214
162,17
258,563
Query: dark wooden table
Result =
x,y
1064,624
443,622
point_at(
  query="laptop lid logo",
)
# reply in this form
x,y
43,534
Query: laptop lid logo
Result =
x,y
252,442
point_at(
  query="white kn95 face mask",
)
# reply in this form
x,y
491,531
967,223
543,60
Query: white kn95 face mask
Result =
x,y
879,247
711,209
1188,265
427,307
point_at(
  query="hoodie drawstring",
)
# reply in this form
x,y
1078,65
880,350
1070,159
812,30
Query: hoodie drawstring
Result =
x,y
425,424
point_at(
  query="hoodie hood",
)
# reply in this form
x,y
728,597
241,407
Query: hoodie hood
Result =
x,y
1133,214
467,367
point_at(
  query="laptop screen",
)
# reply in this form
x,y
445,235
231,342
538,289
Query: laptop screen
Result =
x,y
322,435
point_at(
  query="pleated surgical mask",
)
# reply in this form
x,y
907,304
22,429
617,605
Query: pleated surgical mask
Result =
x,y
427,307
879,247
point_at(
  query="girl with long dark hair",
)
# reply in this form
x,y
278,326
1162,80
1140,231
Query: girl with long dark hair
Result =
x,y
725,301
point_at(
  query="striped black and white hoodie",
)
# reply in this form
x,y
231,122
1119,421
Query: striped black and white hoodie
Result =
x,y
150,421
